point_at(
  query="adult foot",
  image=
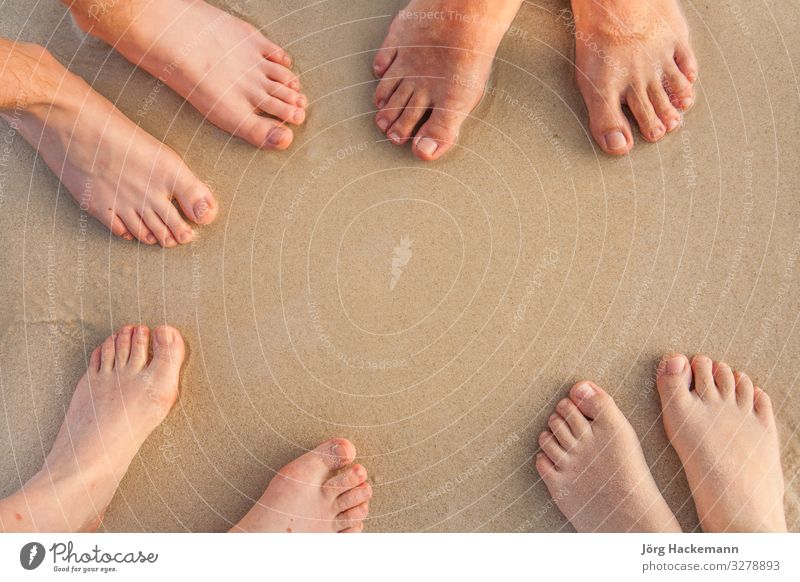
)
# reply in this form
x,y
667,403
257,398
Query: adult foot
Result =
x,y
314,495
725,435
222,65
116,405
637,54
437,58
594,468
114,170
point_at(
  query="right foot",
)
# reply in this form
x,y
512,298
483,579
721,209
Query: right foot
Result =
x,y
594,468
725,435
313,494
219,63
117,404
114,170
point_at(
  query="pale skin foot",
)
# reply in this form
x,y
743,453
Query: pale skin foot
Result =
x,y
115,171
723,429
224,67
123,396
437,59
594,468
635,53
317,493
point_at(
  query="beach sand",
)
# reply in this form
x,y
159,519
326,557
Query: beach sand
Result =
x,y
535,261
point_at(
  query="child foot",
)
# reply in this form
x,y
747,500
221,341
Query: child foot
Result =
x,y
638,54
437,58
308,495
594,468
116,405
725,435
116,171
232,74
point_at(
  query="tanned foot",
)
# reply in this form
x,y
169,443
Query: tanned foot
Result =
x,y
594,468
114,170
638,54
437,59
724,432
225,67
123,396
314,494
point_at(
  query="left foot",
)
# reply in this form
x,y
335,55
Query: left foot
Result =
x,y
437,58
637,54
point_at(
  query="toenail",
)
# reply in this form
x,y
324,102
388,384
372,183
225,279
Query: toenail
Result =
x,y
584,391
165,336
615,140
299,115
150,238
672,124
675,365
185,237
394,137
427,146
657,133
685,103
170,241
383,124
381,103
275,136
302,101
338,451
201,207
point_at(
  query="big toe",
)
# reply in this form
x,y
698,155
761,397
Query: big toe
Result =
x,y
439,133
592,400
196,200
316,465
673,379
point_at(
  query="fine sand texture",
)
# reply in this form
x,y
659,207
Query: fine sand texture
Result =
x,y
533,261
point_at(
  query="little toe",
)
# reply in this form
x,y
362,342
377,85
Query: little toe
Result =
x,y
140,343
679,89
118,228
666,112
674,380
352,517
345,481
354,497
650,125
549,445
744,390
123,346
723,378
394,107
402,129
544,466
608,124
560,429
577,422
180,229
195,199
702,370
440,132
267,133
762,404
108,354
592,400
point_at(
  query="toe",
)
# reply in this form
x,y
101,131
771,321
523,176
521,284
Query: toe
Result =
x,y
161,231
118,228
168,348
440,132
395,107
281,74
354,497
345,481
544,466
358,528
577,422
316,465
687,62
762,404
352,517
267,133
591,400
94,360
385,90
123,346
607,122
137,227
674,380
723,378
195,199
383,60
276,54
139,347
108,354
551,448
666,112
282,110
679,89
650,125
286,94
560,429
702,370
744,390
404,127
178,227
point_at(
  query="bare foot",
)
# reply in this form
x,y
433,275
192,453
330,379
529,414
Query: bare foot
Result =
x,y
116,171
594,468
725,435
437,58
309,495
117,404
219,63
634,53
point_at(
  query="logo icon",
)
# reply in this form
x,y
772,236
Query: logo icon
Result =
x,y
31,555
402,255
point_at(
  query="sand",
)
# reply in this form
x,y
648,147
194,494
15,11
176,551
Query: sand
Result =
x,y
535,261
